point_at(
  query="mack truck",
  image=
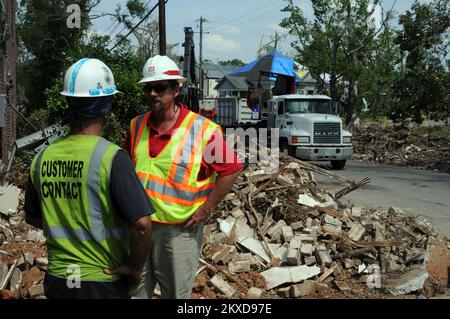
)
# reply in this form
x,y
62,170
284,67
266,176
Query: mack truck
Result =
x,y
308,128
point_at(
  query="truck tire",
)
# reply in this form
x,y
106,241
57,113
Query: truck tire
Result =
x,y
338,164
285,147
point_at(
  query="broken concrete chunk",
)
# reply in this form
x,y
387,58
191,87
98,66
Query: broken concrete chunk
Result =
x,y
295,243
306,200
3,272
237,213
284,180
242,229
276,231
356,232
323,256
332,220
310,260
278,276
16,280
41,261
224,255
304,238
356,212
288,233
259,248
9,200
307,249
223,286
7,232
239,266
415,255
248,189
332,229
36,291
236,202
254,293
308,288
293,257
297,225
329,201
218,238
409,282
36,236
349,263
284,292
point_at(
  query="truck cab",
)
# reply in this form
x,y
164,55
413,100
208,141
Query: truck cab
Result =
x,y
309,128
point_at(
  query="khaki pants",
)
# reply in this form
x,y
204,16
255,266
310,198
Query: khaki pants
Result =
x,y
172,262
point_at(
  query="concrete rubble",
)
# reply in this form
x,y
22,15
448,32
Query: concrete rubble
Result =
x,y
275,235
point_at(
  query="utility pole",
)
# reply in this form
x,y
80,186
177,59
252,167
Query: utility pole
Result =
x,y
162,27
200,72
276,41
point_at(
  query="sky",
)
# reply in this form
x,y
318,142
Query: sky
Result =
x,y
236,28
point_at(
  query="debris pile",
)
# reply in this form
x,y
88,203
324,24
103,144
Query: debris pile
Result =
x,y
276,235
422,148
23,253
281,236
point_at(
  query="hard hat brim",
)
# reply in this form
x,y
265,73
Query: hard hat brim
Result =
x,y
65,93
180,79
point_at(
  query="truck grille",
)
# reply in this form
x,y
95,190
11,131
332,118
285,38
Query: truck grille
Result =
x,y
327,133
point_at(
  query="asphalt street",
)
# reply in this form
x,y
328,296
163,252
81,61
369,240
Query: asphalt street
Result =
x,y
419,192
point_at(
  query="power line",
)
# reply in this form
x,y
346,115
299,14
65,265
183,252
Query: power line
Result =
x,y
136,26
261,8
112,38
114,22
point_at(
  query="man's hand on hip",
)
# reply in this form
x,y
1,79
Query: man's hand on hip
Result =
x,y
200,215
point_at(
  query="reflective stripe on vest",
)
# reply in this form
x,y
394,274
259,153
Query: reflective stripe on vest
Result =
x,y
99,231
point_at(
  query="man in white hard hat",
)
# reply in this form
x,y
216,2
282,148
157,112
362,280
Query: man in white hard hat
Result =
x,y
84,193
169,147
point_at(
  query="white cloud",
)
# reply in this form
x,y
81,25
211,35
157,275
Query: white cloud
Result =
x,y
217,43
231,30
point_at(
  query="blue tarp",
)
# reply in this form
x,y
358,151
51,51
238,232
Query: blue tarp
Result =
x,y
273,62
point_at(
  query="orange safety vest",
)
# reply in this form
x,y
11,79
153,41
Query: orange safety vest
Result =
x,y
170,178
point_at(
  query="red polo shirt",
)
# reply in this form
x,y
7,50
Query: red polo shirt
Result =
x,y
159,141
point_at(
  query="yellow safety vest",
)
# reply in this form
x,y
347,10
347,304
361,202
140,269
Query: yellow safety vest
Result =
x,y
170,179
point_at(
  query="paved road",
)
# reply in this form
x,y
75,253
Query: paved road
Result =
x,y
414,191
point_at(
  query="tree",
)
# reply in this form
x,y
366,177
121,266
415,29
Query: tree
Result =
x,y
45,43
424,85
381,72
146,34
338,42
234,62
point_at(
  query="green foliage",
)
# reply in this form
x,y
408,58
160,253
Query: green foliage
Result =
x,y
125,65
337,42
234,62
46,42
423,88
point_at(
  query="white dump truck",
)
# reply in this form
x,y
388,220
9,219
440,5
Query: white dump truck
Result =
x,y
309,128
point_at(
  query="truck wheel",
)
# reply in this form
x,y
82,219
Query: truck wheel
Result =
x,y
338,164
291,150
285,147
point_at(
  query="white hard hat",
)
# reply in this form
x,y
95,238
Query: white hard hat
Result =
x,y
160,68
89,78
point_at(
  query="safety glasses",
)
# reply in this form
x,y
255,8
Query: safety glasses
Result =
x,y
158,88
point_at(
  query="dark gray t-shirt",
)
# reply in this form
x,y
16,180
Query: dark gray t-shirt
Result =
x,y
128,196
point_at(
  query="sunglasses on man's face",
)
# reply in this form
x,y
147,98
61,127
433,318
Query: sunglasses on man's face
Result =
x,y
158,88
